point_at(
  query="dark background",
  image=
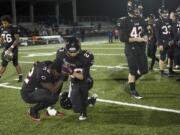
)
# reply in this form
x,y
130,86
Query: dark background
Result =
x,y
113,8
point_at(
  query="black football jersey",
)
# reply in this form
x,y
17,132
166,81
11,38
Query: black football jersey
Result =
x,y
131,27
8,35
163,31
176,30
83,61
39,73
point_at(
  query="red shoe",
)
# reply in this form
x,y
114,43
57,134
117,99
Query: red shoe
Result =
x,y
61,114
34,116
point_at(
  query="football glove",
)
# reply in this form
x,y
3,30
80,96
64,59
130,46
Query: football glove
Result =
x,y
8,56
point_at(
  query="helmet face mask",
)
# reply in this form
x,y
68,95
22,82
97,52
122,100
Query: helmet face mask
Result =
x,y
164,13
135,8
72,47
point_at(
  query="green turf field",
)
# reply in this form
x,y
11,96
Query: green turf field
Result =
x,y
110,74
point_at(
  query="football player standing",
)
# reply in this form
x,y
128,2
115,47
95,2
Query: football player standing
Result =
x,y
151,45
10,40
163,31
176,33
134,34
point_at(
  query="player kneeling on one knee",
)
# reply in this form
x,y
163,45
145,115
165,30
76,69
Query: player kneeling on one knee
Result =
x,y
76,64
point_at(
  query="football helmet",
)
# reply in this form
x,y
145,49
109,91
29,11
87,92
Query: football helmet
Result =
x,y
163,12
8,56
72,47
134,8
65,101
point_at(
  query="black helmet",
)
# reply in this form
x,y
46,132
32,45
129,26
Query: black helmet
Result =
x,y
73,46
134,7
65,101
163,12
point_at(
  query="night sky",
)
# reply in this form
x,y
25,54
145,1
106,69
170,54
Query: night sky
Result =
x,y
114,8
118,7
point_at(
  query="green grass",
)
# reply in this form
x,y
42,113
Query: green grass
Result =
x,y
104,118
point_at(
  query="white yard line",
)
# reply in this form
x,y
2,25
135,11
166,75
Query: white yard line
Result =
x,y
57,47
6,85
95,66
139,106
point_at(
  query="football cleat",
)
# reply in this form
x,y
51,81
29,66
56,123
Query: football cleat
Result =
x,y
135,94
82,117
92,100
20,79
34,116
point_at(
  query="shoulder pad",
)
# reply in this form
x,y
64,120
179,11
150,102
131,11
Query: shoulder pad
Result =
x,y
61,50
87,54
120,21
60,53
88,57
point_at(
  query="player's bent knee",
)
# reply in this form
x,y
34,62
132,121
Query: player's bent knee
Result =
x,y
15,64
